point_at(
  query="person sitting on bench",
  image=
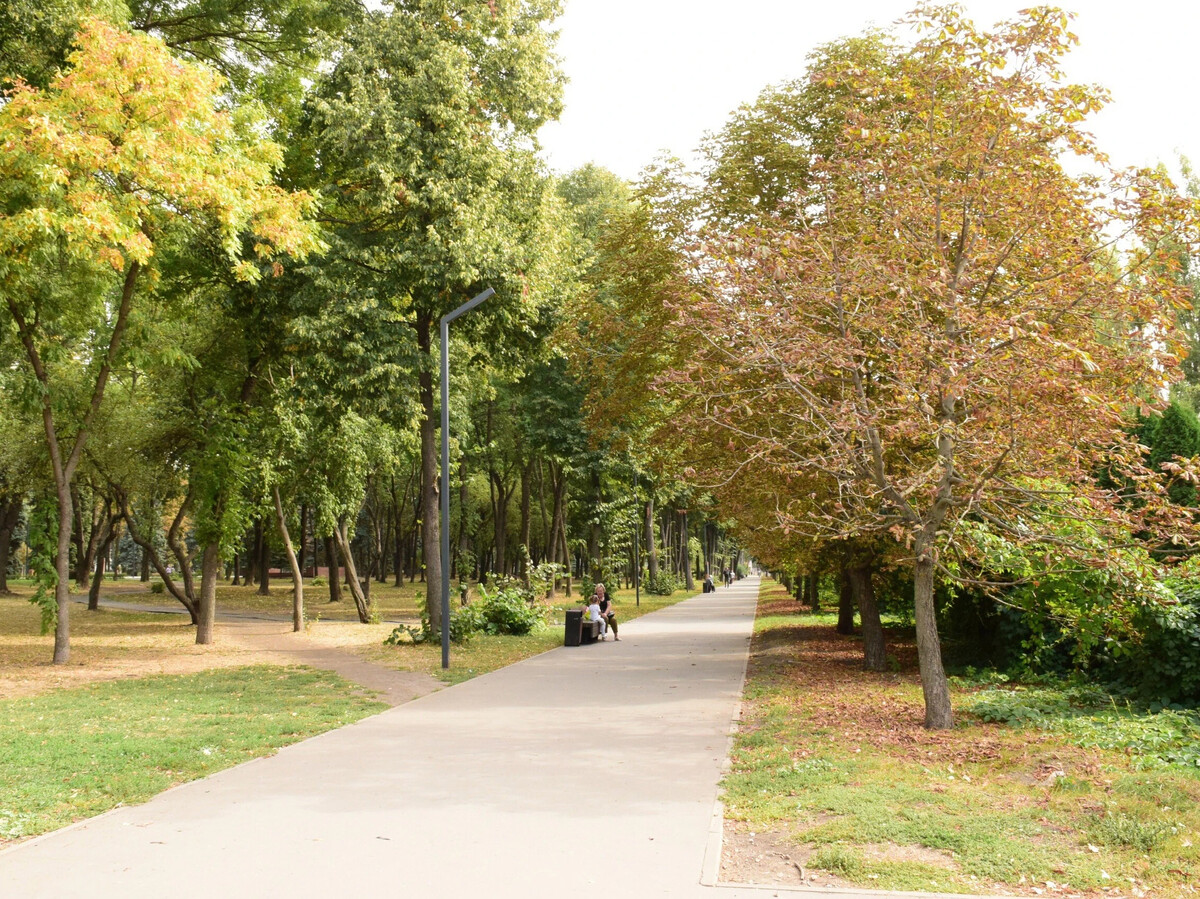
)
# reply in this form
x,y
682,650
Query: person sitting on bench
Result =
x,y
607,612
594,614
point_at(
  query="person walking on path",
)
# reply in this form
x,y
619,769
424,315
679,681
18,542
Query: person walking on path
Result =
x,y
607,610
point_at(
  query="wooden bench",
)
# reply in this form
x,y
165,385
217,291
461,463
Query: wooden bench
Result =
x,y
590,632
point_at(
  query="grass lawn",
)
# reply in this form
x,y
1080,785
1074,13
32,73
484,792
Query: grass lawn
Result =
x,y
73,753
483,653
140,707
833,765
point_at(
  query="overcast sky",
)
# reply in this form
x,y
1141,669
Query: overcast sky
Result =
x,y
651,75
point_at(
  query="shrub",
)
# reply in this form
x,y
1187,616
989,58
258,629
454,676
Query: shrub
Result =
x,y
157,587
508,610
317,581
664,585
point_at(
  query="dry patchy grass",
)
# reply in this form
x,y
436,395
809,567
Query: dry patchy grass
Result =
x,y
834,763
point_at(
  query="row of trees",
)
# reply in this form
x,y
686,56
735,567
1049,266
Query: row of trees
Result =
x,y
907,317
227,232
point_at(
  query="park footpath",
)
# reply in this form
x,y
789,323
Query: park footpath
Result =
x,y
584,772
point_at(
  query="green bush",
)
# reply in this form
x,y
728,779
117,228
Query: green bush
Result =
x,y
1163,666
508,610
317,581
664,585
157,587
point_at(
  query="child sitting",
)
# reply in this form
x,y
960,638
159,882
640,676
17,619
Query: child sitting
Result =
x,y
594,614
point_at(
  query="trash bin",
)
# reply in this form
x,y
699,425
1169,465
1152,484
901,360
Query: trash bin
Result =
x,y
573,626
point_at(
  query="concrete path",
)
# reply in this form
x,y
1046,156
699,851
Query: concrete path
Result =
x,y
583,772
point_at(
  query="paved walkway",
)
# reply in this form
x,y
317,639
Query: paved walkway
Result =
x,y
583,772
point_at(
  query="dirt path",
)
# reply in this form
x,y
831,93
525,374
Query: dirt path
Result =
x,y
285,646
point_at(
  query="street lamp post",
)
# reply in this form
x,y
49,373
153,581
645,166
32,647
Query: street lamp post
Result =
x,y
446,319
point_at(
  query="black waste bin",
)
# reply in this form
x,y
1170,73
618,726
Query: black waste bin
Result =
x,y
573,627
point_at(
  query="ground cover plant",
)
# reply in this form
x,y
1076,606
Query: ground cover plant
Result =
x,y
832,768
74,753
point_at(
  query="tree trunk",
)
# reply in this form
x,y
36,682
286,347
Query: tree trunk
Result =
x,y
83,566
814,592
334,563
210,571
938,713
186,595
99,576
145,572
264,559
686,549
430,529
874,650
10,514
237,569
595,530
297,574
651,546
845,623
352,581
526,495
250,572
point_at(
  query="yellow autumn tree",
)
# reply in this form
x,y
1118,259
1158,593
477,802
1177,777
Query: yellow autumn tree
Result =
x,y
124,149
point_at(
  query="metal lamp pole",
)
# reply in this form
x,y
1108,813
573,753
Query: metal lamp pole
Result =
x,y
446,319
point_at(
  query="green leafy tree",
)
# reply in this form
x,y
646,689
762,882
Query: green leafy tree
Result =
x,y
124,147
422,137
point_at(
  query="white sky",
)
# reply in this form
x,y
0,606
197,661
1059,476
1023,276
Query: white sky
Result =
x,y
652,75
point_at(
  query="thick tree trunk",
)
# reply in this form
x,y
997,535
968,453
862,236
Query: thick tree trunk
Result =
x,y
334,563
297,574
210,571
430,529
938,712
62,590
874,650
352,581
814,592
845,623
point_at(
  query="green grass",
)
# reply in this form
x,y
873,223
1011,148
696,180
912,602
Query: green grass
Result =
x,y
483,653
835,761
74,753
